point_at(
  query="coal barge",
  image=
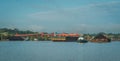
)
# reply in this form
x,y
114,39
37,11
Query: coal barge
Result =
x,y
64,39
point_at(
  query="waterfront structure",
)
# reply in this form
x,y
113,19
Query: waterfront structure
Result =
x,y
47,36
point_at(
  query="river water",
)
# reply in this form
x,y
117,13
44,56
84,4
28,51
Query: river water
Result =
x,y
58,51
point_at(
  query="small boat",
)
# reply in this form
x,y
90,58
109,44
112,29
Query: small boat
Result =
x,y
81,40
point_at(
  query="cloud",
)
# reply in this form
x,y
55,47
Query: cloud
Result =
x,y
88,28
91,18
85,13
35,28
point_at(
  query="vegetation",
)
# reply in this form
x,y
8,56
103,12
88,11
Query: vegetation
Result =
x,y
6,32
15,30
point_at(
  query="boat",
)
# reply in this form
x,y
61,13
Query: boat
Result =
x,y
101,38
16,38
64,39
81,40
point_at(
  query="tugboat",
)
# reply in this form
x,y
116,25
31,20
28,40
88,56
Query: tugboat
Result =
x,y
81,40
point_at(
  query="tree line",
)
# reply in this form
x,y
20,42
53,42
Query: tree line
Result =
x,y
15,30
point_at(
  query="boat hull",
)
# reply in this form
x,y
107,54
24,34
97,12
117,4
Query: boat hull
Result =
x,y
101,40
82,41
16,38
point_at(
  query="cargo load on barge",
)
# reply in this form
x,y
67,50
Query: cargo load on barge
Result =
x,y
101,38
64,39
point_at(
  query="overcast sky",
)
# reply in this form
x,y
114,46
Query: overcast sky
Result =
x,y
83,16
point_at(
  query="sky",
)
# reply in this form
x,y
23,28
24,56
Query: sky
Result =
x,y
74,16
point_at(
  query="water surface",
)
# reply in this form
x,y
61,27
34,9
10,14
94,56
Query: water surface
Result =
x,y
58,51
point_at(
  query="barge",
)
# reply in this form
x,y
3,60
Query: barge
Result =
x,y
16,38
101,38
69,39
64,39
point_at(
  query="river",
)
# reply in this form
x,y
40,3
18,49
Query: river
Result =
x,y
58,51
